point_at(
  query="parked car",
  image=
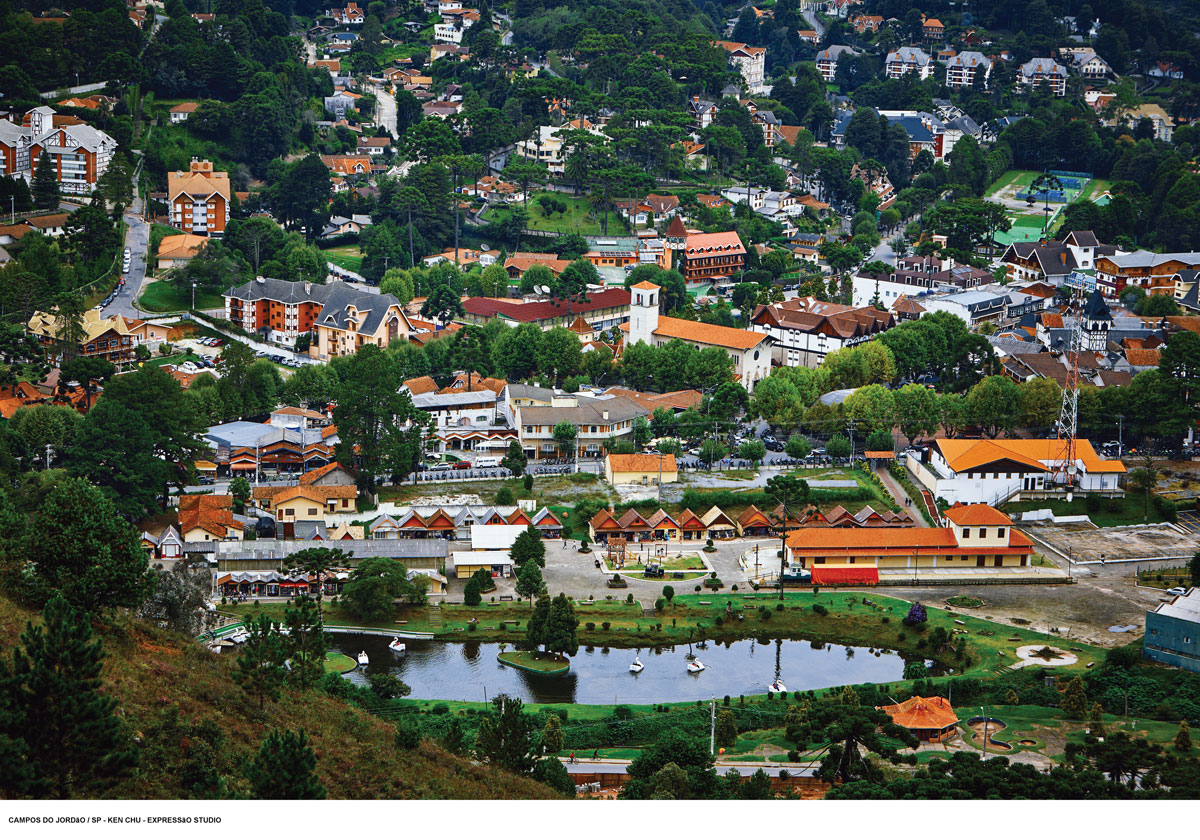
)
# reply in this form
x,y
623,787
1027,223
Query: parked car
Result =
x,y
1177,590
461,465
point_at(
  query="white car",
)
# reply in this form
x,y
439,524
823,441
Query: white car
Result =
x,y
1177,590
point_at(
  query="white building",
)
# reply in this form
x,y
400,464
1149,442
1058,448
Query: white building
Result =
x,y
547,146
804,331
1038,70
908,60
997,471
750,62
750,351
964,68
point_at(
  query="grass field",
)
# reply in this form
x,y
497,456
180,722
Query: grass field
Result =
x,y
577,218
1027,222
348,257
1125,511
162,296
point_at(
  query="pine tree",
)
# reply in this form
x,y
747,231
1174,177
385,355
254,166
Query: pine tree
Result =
x,y
45,184
306,642
74,741
535,629
528,546
552,735
260,670
285,768
529,581
726,728
1096,720
1183,738
1012,698
561,625
1074,702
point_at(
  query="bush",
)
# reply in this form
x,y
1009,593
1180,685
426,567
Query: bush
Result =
x,y
660,604
726,700
1093,503
629,598
820,609
779,607
439,709
591,625
606,624
408,734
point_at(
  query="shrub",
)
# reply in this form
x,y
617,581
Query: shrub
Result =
x,y
471,628
900,637
779,607
820,609
668,592
1093,503
726,700
885,620
629,598
916,615
720,621
591,625
408,734
793,756
708,543
660,604
606,624
439,709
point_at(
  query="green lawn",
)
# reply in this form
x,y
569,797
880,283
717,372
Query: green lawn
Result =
x,y
544,663
1126,511
1024,177
348,257
577,219
1165,578
162,296
339,663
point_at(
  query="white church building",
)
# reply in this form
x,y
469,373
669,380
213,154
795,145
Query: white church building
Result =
x,y
750,351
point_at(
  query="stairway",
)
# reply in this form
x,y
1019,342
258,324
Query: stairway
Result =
x,y
435,617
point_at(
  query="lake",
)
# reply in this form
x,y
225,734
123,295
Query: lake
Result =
x,y
470,670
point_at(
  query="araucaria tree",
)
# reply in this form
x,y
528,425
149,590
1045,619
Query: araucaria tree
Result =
x,y
86,551
55,721
260,670
285,768
370,414
506,737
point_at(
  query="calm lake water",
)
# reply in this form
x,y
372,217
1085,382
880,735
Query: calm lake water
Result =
x,y
470,670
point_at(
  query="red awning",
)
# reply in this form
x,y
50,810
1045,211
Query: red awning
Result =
x,y
845,574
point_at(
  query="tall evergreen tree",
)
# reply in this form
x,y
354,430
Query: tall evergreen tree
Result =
x,y
260,670
285,768
307,642
561,623
45,184
74,743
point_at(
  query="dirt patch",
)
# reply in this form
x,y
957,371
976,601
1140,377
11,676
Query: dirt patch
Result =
x,y
994,728
1129,542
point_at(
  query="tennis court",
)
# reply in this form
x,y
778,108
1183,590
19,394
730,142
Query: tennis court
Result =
x,y
1013,190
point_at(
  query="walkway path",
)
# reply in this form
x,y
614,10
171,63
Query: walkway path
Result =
x,y
899,495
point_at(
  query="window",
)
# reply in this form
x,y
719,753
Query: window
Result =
x,y
1000,533
312,511
966,532
982,533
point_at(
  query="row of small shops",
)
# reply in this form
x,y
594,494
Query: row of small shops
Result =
x,y
715,524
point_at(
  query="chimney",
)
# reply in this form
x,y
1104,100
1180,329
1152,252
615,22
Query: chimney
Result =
x,y
308,288
604,414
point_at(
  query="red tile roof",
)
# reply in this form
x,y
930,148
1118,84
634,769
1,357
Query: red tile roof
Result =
x,y
543,310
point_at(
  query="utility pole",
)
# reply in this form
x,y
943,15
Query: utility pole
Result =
x,y
712,726
850,427
49,448
782,548
983,710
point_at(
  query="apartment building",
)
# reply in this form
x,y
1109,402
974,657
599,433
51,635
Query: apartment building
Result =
x,y
749,61
706,256
827,59
1154,273
602,310
199,199
908,60
1052,261
546,145
1038,70
78,153
280,309
963,69
351,319
596,420
113,338
804,331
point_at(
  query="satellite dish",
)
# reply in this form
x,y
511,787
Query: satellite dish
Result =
x,y
545,290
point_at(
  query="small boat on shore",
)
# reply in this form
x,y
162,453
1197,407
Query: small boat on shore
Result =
x,y
363,659
778,687
396,646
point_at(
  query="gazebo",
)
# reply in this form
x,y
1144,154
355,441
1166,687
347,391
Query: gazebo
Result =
x,y
931,719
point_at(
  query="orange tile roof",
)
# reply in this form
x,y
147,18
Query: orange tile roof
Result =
x,y
701,333
313,476
922,713
961,514
752,517
1141,357
689,521
1052,320
642,463
212,512
322,494
964,455
880,542
879,453
421,385
604,519
645,284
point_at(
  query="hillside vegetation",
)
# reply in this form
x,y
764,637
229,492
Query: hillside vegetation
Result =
x,y
197,730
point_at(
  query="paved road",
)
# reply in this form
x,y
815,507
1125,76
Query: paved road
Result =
x,y
815,23
386,107
137,239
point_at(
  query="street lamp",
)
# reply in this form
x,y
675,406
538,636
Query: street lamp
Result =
x,y
1120,435
193,296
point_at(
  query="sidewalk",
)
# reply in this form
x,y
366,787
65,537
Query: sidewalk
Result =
x,y
899,495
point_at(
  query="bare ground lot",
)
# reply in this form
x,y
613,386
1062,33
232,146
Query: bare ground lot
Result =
x,y
1128,542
